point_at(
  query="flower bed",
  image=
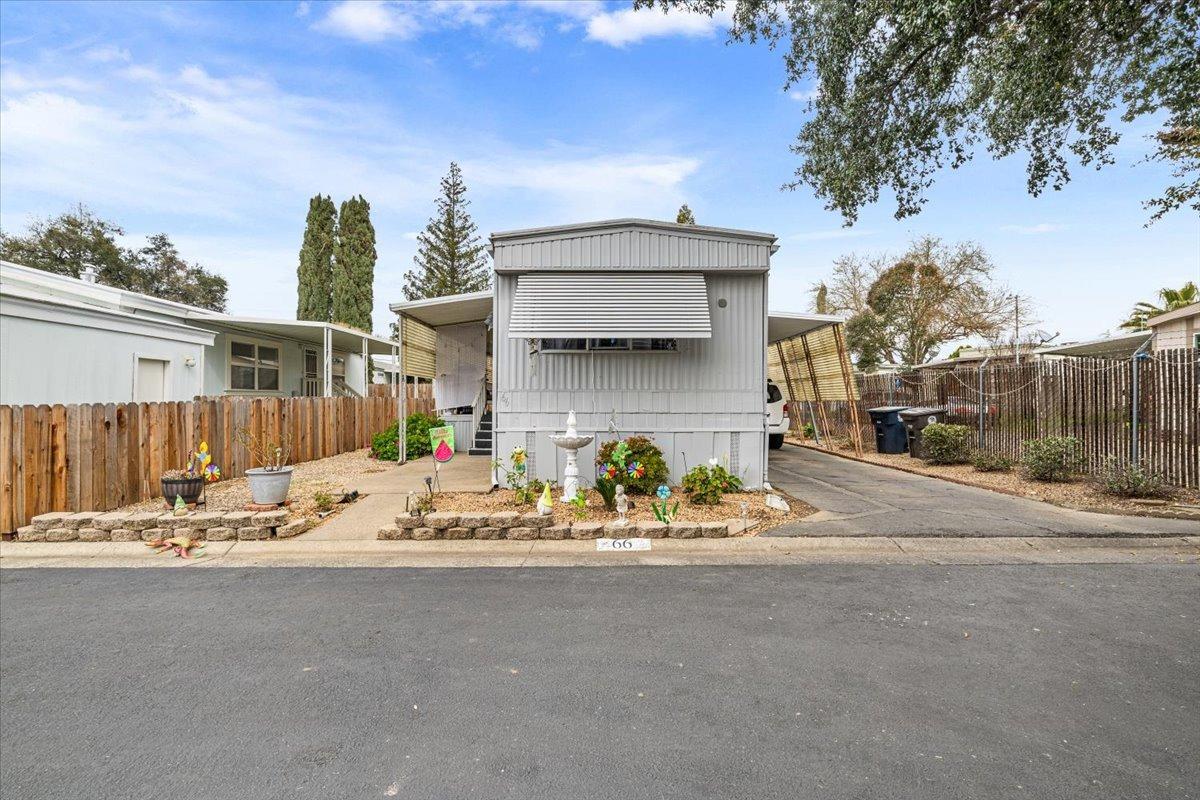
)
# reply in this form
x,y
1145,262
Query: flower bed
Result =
x,y
730,507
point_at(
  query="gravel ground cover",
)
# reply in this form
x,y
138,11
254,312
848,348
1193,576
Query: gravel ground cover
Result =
x,y
1081,493
333,476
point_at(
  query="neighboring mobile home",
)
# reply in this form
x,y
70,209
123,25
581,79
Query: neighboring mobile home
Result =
x,y
1178,328
640,327
70,340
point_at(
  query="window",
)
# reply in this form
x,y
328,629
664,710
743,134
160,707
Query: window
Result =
x,y
609,345
253,367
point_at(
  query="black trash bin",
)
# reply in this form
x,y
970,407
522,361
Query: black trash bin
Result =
x,y
915,420
890,433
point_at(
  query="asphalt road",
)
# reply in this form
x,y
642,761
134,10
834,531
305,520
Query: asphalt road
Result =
x,y
638,682
859,499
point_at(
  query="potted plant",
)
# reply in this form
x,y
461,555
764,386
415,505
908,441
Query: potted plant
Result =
x,y
270,482
188,482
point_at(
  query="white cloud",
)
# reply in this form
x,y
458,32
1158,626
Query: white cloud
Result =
x,y
226,164
577,9
303,8
1032,230
369,21
629,26
521,35
805,95
107,53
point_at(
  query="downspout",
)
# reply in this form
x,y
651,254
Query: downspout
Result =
x,y
762,383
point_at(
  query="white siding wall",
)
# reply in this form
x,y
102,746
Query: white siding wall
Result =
x,y
49,362
706,400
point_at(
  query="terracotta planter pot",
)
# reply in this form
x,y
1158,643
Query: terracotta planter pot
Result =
x,y
187,488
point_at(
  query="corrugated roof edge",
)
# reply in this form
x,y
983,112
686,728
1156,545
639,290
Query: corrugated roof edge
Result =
x,y
632,222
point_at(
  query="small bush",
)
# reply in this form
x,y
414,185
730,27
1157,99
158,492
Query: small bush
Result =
x,y
323,501
1131,480
1053,458
385,445
946,444
809,431
991,462
644,452
704,485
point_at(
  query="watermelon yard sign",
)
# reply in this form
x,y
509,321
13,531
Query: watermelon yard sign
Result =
x,y
442,441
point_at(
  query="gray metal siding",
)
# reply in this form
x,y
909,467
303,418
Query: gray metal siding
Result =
x,y
633,249
706,400
621,305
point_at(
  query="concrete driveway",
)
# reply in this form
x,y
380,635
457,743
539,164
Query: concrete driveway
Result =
x,y
857,499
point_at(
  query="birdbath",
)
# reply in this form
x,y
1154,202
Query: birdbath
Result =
x,y
570,442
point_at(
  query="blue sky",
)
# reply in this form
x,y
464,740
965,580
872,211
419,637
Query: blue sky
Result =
x,y
216,122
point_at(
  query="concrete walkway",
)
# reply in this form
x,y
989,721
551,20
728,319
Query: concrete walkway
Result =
x,y
664,552
858,499
387,491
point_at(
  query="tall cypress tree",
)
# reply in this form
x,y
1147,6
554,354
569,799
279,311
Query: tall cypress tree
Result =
x,y
354,265
314,276
450,257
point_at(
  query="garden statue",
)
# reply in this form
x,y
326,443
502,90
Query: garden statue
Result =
x,y
545,504
622,506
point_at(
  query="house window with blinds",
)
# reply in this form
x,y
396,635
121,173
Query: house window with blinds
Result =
x,y
253,367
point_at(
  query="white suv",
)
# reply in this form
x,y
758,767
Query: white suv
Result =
x,y
777,416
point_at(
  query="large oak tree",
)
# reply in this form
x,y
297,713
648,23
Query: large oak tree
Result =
x,y
902,88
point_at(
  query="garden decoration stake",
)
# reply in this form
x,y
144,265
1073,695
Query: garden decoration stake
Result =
x,y
663,512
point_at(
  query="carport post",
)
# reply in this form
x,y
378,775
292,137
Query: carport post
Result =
x,y
848,380
327,355
787,377
816,387
402,406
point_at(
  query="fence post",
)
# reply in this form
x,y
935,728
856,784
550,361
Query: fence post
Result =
x,y
980,400
1135,397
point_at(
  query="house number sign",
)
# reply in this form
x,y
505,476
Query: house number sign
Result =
x,y
622,545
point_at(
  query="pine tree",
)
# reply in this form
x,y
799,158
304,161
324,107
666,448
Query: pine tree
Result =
x,y
314,276
354,265
685,216
450,257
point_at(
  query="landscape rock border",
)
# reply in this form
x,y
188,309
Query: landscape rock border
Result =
x,y
514,526
119,526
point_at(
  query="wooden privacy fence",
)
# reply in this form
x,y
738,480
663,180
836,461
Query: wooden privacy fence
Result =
x,y
103,456
420,396
1092,399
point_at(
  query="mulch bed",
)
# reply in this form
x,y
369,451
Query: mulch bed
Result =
x,y
1081,493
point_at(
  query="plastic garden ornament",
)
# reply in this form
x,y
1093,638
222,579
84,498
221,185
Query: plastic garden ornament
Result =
x,y
180,506
636,470
662,511
545,504
518,460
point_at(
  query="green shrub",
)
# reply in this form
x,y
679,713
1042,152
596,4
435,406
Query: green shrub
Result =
x,y
991,462
809,431
642,451
704,485
385,445
1052,458
946,444
1131,480
323,501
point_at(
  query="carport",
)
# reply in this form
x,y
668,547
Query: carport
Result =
x,y
807,358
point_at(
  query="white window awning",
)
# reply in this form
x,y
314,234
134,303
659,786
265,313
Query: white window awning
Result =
x,y
591,305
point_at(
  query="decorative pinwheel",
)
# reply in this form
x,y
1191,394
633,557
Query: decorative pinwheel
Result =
x,y
608,471
663,492
636,470
212,473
